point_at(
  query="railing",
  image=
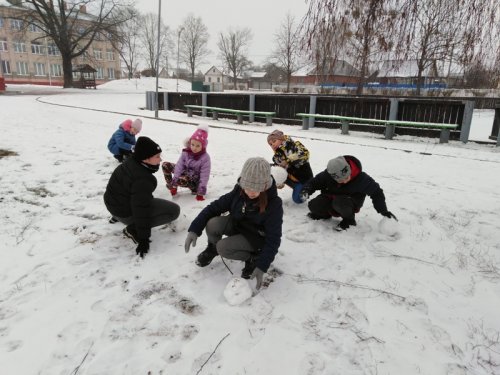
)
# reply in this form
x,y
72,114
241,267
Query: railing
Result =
x,y
435,110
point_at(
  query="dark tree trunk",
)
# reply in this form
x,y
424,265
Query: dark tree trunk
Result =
x,y
67,70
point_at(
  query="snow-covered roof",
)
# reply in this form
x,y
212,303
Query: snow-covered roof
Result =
x,y
409,68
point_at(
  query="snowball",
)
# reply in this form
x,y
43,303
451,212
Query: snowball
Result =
x,y
237,291
279,173
389,227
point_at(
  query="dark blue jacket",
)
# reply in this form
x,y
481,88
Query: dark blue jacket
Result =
x,y
357,188
262,230
121,139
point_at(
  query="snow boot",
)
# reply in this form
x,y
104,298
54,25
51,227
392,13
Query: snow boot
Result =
x,y
345,223
206,256
247,271
130,232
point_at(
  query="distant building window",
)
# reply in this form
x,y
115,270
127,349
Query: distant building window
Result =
x,y
37,48
110,55
98,54
53,50
1,22
100,73
3,45
209,79
218,79
56,70
80,30
16,24
19,47
111,73
22,68
39,69
5,67
34,28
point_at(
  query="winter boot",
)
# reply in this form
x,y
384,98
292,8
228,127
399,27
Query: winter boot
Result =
x,y
312,215
345,223
247,271
130,232
206,256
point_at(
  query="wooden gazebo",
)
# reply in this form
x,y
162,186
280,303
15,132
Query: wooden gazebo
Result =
x,y
87,76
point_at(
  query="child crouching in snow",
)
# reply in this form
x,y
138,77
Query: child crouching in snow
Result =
x,y
122,141
344,187
294,157
253,225
192,170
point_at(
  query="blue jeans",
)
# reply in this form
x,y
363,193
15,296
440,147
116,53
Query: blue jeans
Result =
x,y
297,187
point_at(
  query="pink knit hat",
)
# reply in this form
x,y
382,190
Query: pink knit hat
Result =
x,y
201,135
126,125
137,124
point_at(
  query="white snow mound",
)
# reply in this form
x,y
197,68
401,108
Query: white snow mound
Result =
x,y
389,227
279,173
237,291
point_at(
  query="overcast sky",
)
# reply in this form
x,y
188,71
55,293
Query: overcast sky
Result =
x,y
263,17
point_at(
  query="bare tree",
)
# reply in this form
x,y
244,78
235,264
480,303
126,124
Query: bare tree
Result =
x,y
287,48
365,28
126,42
448,30
194,39
149,40
326,48
233,50
73,26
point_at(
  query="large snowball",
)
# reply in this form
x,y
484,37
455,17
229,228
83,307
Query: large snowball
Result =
x,y
279,173
389,227
237,291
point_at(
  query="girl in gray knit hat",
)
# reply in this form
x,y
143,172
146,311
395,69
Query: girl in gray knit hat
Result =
x,y
252,226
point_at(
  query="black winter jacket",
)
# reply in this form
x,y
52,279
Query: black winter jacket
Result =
x,y
263,231
360,185
130,193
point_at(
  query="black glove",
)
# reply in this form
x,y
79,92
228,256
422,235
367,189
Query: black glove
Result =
x,y
142,248
389,214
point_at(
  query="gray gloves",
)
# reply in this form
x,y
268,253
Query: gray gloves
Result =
x,y
190,240
259,275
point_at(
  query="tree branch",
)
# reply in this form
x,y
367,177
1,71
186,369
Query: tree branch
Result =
x,y
210,356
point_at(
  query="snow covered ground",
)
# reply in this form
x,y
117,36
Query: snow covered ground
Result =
x,y
74,297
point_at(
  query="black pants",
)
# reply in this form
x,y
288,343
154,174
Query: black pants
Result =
x,y
123,154
340,205
163,212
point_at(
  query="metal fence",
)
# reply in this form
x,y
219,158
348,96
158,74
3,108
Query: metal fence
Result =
x,y
435,110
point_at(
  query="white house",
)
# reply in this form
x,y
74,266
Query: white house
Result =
x,y
215,78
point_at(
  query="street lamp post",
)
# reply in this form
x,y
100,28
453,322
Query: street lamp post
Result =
x,y
178,42
158,58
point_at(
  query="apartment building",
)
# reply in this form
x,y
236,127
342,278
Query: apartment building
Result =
x,y
28,57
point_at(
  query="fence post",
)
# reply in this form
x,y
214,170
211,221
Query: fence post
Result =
x,y
149,100
393,115
312,110
204,103
165,101
251,107
466,121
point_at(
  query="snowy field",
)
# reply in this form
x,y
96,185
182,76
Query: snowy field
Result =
x,y
75,299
